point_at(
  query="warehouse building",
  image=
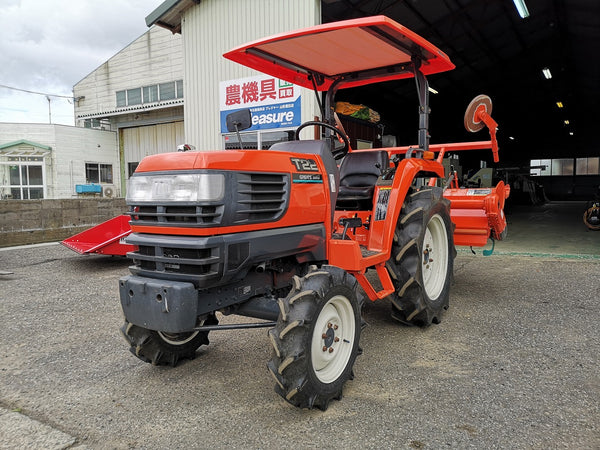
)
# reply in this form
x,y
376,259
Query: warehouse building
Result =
x,y
138,94
182,53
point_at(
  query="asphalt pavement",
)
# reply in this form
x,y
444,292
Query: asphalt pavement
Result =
x,y
514,364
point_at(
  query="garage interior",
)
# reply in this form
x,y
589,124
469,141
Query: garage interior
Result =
x,y
539,71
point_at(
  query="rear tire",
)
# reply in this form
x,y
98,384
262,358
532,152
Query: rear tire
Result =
x,y
316,339
161,348
422,259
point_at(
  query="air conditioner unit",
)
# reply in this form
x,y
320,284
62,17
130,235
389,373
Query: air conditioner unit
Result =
x,y
88,188
108,190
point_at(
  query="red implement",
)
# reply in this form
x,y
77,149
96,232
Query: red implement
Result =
x,y
478,214
105,238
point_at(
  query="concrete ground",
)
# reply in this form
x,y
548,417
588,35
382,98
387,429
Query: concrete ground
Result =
x,y
514,363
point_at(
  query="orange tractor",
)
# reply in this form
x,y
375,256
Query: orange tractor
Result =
x,y
298,235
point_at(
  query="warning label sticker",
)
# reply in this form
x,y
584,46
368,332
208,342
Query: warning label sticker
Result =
x,y
479,191
382,203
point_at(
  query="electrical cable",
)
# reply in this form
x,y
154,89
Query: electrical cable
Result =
x,y
38,93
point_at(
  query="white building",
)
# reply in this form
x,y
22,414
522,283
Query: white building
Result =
x,y
212,27
57,161
138,93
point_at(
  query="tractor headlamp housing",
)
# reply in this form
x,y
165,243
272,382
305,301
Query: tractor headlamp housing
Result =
x,y
186,187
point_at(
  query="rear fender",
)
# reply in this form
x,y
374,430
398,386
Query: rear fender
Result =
x,y
390,198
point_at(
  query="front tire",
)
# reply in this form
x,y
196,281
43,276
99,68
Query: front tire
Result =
x,y
161,348
422,259
316,339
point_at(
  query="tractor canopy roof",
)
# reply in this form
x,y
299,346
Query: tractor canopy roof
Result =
x,y
356,52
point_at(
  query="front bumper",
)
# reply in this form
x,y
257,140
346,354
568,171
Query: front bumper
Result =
x,y
164,305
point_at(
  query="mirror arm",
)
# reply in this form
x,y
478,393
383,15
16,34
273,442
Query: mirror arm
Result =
x,y
239,136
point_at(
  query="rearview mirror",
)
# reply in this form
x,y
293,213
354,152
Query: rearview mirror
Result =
x,y
239,120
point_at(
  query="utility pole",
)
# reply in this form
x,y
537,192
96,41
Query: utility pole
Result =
x,y
49,110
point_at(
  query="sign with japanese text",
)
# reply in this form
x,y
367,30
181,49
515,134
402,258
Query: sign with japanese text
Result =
x,y
273,103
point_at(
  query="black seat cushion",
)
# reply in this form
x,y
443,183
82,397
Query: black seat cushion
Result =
x,y
359,173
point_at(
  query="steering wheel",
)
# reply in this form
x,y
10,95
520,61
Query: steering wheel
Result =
x,y
338,153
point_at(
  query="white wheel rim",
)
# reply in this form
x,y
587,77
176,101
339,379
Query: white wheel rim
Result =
x,y
333,339
177,338
434,259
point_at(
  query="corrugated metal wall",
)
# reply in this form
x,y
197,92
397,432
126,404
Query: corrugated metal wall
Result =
x,y
215,26
139,142
154,57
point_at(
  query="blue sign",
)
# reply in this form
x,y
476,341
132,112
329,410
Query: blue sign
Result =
x,y
268,117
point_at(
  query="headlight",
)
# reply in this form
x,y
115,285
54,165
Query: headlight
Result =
x,y
195,187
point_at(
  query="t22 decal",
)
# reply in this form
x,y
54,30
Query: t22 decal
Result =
x,y
305,165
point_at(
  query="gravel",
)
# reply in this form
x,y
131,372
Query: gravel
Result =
x,y
514,364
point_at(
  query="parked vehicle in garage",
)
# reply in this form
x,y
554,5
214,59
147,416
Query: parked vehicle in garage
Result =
x,y
591,215
288,235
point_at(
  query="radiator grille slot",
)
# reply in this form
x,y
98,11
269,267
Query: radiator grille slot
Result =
x,y
176,215
190,263
261,197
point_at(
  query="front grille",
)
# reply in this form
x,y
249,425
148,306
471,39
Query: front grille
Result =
x,y
176,215
250,197
262,197
193,264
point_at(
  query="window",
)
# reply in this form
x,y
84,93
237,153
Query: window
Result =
x,y
167,90
134,96
92,123
268,138
540,167
249,140
98,173
562,166
24,178
131,168
151,94
588,166
257,139
121,99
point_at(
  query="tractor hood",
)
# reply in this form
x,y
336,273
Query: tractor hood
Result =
x,y
355,52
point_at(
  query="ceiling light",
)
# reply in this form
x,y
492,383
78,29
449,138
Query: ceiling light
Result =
x,y
546,73
511,138
521,8
566,122
432,90
571,133
559,104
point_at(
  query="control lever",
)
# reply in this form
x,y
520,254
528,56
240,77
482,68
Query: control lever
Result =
x,y
352,222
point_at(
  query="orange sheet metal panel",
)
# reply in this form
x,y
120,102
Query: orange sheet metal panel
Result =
x,y
333,49
307,204
478,213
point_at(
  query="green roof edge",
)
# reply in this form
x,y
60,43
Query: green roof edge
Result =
x,y
25,141
162,9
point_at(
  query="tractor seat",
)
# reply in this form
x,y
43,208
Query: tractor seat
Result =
x,y
358,174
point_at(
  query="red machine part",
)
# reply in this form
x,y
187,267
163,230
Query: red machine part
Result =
x,y
104,239
478,214
478,115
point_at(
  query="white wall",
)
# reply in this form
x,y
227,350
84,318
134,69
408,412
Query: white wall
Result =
x,y
77,146
71,147
213,27
154,57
